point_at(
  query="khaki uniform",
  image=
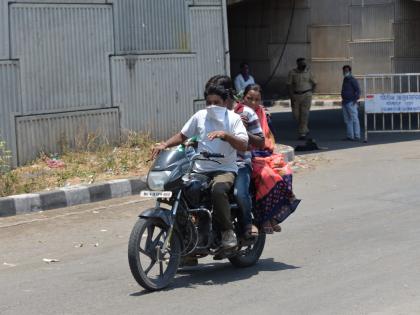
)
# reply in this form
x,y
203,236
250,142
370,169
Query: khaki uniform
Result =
x,y
302,83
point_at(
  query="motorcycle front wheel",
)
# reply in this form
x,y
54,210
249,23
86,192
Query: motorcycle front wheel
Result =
x,y
152,268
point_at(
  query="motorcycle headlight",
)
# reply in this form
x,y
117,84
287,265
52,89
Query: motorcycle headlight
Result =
x,y
157,180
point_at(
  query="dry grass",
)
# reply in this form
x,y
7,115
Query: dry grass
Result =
x,y
92,161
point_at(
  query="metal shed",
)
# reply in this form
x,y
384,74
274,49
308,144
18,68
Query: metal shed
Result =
x,y
104,66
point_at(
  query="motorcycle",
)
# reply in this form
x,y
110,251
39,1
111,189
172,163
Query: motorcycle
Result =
x,y
180,226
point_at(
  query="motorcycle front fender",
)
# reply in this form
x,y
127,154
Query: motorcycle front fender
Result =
x,y
164,215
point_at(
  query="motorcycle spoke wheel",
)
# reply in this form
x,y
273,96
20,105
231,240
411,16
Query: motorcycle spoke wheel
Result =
x,y
145,254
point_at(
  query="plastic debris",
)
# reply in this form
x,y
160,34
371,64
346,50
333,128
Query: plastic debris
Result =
x,y
50,260
95,211
78,245
96,244
103,230
53,163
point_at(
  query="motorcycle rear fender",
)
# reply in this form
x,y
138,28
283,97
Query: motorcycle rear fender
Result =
x,y
158,213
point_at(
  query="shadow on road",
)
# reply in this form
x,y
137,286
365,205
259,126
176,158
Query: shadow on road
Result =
x,y
328,129
220,273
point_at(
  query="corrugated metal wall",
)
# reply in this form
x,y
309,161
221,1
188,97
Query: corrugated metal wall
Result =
x,y
371,21
49,131
145,26
91,61
63,51
4,31
205,36
10,101
155,92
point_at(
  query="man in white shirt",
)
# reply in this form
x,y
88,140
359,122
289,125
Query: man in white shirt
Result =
x,y
219,131
243,79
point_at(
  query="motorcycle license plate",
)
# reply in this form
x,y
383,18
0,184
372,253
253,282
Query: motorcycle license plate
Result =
x,y
156,194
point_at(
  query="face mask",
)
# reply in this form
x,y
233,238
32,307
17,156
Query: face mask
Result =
x,y
347,74
216,113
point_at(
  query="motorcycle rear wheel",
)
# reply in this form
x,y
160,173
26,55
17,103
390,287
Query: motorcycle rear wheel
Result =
x,y
249,255
146,240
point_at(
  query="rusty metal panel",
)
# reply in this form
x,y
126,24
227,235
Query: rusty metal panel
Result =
x,y
10,102
148,26
407,39
372,56
329,75
63,50
330,12
155,93
46,133
279,25
208,43
330,41
4,31
372,21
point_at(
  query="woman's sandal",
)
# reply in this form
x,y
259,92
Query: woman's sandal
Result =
x,y
267,228
251,231
275,226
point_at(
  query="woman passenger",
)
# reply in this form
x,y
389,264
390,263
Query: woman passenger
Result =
x,y
271,174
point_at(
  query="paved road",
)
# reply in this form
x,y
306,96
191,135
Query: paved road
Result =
x,y
352,247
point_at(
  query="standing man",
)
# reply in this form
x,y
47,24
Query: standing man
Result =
x,y
350,94
301,84
243,79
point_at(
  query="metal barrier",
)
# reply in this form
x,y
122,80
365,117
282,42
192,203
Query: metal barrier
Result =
x,y
395,92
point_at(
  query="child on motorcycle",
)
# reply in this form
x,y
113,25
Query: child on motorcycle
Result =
x,y
219,131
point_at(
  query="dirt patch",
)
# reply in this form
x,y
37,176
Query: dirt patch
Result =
x,y
98,163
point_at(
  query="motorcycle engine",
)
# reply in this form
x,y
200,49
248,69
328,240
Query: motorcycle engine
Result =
x,y
194,189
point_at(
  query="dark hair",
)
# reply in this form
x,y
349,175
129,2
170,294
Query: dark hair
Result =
x,y
300,59
347,67
222,80
243,64
213,89
253,87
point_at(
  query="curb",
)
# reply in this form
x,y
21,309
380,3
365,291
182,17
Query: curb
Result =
x,y
82,194
70,196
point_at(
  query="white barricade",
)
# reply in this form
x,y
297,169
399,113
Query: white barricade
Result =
x,y
392,103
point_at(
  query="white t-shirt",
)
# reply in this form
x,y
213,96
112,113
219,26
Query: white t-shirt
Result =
x,y
241,84
201,125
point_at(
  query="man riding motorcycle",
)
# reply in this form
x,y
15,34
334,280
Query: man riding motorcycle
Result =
x,y
256,139
219,131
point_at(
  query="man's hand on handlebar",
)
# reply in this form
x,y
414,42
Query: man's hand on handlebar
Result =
x,y
157,148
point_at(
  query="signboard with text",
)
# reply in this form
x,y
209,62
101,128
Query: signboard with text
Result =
x,y
393,103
